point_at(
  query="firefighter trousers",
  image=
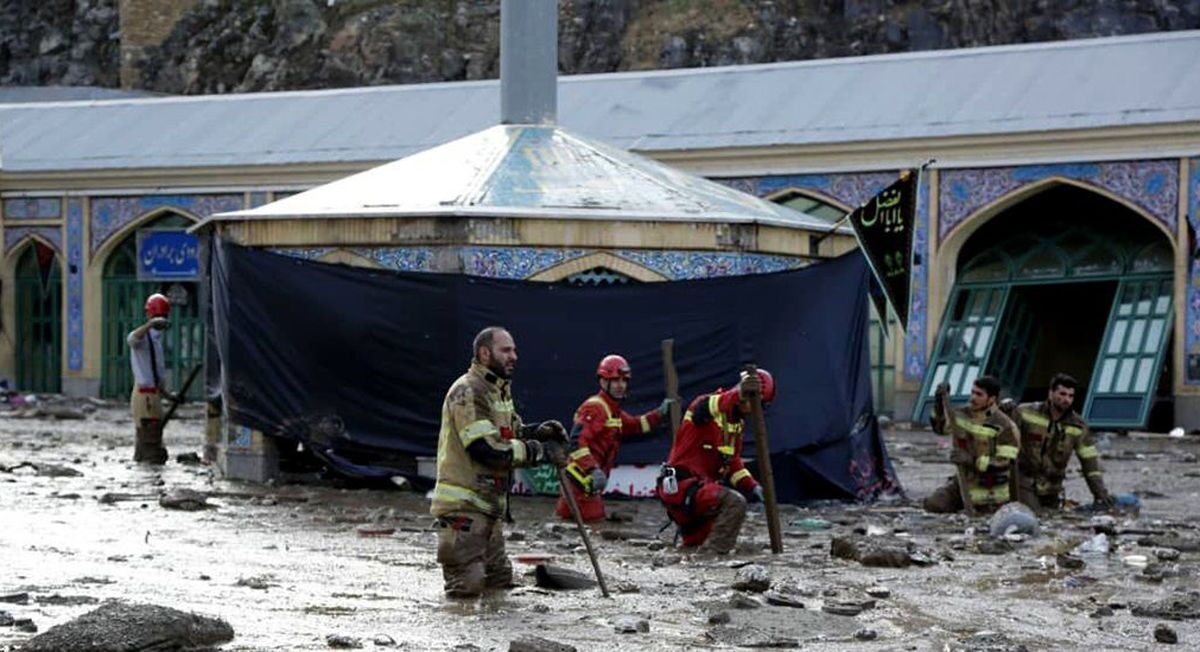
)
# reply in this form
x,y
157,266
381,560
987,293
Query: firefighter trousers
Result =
x,y
471,552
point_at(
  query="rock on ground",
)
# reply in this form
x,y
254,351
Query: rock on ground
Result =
x,y
752,578
537,644
119,625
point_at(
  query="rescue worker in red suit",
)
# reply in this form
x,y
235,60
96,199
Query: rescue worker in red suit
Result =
x,y
600,427
704,485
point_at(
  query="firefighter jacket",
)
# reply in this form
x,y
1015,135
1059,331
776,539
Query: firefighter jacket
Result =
x,y
1046,447
601,426
709,442
478,445
992,441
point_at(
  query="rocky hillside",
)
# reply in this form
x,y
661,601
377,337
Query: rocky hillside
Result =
x,y
253,45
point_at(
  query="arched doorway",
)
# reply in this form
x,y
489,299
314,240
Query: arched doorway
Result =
x,y
599,276
1067,280
124,298
39,320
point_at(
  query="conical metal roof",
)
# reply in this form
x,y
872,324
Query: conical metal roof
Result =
x,y
529,172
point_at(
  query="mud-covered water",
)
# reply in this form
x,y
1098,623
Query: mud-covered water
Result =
x,y
286,566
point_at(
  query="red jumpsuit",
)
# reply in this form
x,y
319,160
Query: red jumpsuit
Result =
x,y
602,426
707,452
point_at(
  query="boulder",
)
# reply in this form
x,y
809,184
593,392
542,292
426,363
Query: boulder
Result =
x,y
120,625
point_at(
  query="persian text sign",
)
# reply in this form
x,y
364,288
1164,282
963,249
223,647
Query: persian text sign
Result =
x,y
884,226
167,255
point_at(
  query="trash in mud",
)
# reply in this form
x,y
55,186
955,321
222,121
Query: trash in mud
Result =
x,y
866,634
1176,542
342,642
811,524
1013,518
1164,634
631,625
537,644
118,625
752,578
1184,607
1093,547
186,500
782,600
15,598
558,578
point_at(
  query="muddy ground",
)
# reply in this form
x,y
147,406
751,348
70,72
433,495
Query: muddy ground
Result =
x,y
287,567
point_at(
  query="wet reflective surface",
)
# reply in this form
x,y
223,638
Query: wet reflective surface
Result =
x,y
287,566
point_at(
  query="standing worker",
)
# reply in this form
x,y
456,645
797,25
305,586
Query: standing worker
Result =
x,y
481,440
1050,431
149,381
984,455
705,485
600,428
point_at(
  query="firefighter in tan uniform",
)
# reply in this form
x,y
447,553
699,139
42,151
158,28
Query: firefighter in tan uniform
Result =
x,y
481,440
984,455
1050,432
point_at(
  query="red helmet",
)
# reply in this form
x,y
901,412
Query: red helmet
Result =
x,y
613,366
767,381
157,306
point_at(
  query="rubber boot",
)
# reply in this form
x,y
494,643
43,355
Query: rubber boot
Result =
x,y
148,448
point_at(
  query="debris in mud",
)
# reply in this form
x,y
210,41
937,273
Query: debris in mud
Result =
x,y
782,600
1166,554
631,625
516,536
617,535
993,547
751,637
26,625
1179,543
188,459
558,578
56,471
752,578
1068,561
866,634
740,601
15,598
1184,607
118,625
259,582
719,618
383,640
537,644
811,524
67,600
626,586
619,517
187,500
1013,518
847,607
1102,612
1093,547
878,552
1164,634
342,642
879,592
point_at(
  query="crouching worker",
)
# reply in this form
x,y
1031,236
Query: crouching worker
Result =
x,y
984,450
600,428
704,485
482,439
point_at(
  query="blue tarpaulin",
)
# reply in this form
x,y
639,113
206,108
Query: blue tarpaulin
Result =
x,y
356,362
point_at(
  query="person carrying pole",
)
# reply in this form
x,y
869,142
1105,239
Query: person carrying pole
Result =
x,y
149,381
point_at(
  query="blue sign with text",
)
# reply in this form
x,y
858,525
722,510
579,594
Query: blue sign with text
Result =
x,y
167,255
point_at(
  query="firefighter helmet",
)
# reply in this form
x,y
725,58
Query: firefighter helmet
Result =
x,y
157,306
767,382
613,366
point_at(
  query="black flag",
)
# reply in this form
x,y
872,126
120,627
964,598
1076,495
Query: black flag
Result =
x,y
884,226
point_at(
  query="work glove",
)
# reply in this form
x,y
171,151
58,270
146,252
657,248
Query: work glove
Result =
x,y
159,323
960,456
599,481
756,496
664,410
551,431
554,453
749,386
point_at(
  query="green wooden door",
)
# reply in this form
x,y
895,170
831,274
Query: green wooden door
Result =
x,y
39,323
1014,349
1127,370
124,301
964,345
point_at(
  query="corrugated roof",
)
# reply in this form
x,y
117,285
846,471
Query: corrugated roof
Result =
x,y
526,171
1135,80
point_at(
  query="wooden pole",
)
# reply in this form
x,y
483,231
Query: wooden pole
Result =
x,y
569,495
672,381
766,477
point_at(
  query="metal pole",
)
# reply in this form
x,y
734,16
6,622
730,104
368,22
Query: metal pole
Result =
x,y
528,62
569,495
766,477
